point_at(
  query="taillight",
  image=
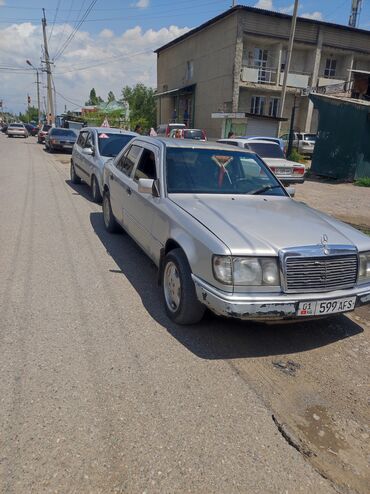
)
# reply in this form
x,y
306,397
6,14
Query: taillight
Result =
x,y
272,169
297,170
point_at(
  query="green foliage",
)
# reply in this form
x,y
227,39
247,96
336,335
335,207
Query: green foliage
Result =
x,y
111,96
115,118
363,182
142,105
30,115
295,156
94,99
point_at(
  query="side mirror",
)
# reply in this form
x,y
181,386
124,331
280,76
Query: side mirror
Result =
x,y
291,191
88,151
145,186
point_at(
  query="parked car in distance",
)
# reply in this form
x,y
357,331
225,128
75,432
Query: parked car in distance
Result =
x,y
277,140
226,235
195,134
59,139
164,130
17,130
32,129
94,146
4,128
289,172
303,142
43,133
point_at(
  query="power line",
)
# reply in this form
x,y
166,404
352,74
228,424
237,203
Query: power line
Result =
x,y
55,17
64,26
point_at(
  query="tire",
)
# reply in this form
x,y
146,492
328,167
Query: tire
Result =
x,y
178,290
95,191
75,179
110,221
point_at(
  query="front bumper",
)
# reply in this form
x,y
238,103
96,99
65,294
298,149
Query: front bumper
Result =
x,y
268,307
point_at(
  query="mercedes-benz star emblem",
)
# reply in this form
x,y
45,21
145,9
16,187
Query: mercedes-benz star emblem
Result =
x,y
324,243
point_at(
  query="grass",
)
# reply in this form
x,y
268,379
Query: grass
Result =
x,y
363,229
363,182
295,156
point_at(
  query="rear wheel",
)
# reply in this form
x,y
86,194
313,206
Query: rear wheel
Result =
x,y
95,191
110,222
178,290
75,179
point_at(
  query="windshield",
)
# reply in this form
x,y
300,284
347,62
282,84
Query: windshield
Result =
x,y
266,149
16,126
214,171
193,134
111,144
309,137
63,133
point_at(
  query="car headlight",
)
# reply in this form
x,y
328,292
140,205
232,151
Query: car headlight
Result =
x,y
246,271
364,271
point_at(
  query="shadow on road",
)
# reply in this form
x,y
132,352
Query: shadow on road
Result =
x,y
81,189
215,337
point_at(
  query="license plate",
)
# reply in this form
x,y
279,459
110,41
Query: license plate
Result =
x,y
321,308
282,171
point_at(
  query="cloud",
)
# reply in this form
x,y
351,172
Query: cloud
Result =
x,y
287,10
142,4
2,3
264,4
316,16
106,61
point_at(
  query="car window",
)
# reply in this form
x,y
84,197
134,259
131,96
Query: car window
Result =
x,y
89,140
110,145
127,162
195,134
63,133
215,171
309,137
146,167
299,136
285,137
82,138
266,149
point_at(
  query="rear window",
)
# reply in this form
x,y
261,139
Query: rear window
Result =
x,y
193,134
111,144
309,137
45,128
63,133
16,126
266,150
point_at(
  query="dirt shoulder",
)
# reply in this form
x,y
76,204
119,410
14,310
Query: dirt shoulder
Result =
x,y
346,202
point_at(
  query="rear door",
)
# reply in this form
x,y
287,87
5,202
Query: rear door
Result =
x,y
119,180
77,151
86,159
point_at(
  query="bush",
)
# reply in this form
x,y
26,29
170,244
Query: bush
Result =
x,y
295,156
363,182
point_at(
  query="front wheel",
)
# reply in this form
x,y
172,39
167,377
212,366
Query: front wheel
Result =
x,y
75,179
178,290
110,221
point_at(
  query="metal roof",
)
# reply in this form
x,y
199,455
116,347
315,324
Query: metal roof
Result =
x,y
244,8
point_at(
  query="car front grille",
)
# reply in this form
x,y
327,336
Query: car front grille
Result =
x,y
303,274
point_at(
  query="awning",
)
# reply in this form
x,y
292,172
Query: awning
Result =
x,y
173,91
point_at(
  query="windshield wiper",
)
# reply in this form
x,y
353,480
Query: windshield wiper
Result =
x,y
265,189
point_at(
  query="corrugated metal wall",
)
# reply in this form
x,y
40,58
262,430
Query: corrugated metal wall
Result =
x,y
342,149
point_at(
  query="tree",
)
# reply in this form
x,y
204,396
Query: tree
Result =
x,y
31,115
111,96
142,105
94,99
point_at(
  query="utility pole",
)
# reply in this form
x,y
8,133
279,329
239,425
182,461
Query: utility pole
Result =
x,y
38,90
355,13
289,58
48,71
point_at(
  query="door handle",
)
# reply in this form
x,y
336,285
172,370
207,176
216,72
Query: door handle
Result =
x,y
111,176
129,191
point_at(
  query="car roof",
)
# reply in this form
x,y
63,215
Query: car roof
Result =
x,y
253,141
254,138
110,130
169,142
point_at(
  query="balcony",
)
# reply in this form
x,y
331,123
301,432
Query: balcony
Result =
x,y
269,75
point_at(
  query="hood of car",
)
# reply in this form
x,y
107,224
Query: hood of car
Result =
x,y
263,225
281,162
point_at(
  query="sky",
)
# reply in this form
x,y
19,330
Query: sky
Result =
x,y
113,46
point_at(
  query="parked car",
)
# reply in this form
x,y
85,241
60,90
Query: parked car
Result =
x,y
225,234
31,129
289,172
4,128
17,130
195,134
94,146
59,139
43,133
277,140
164,130
303,142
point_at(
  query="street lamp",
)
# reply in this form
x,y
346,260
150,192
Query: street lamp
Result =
x,y
38,90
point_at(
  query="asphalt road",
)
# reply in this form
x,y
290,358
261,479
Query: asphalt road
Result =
x,y
101,393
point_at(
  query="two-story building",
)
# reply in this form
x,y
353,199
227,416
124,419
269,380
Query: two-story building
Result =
x,y
227,74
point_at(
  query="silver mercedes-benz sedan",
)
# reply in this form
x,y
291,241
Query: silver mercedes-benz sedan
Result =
x,y
227,236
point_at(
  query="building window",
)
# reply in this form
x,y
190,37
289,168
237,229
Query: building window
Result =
x,y
330,67
189,70
274,107
260,62
257,105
